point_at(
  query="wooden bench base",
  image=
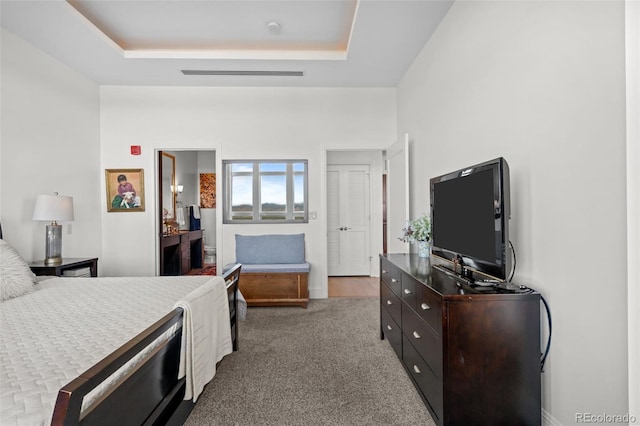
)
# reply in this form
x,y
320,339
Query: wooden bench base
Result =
x,y
275,288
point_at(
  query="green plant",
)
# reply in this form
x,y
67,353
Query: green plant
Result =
x,y
417,230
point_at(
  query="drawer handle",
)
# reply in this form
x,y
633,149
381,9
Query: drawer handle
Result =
x,y
407,291
425,307
393,280
389,327
389,302
416,335
416,369
384,271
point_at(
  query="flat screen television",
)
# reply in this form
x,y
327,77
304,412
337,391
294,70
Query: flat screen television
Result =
x,y
470,214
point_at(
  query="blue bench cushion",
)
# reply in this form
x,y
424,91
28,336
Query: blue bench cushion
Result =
x,y
270,249
298,268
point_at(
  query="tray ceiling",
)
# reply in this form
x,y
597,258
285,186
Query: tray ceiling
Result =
x,y
325,43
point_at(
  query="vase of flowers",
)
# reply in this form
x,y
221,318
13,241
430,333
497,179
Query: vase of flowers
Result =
x,y
418,231
423,248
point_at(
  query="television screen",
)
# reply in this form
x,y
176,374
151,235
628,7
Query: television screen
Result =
x,y
470,213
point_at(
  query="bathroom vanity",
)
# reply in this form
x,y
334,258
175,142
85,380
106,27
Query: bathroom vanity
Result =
x,y
181,252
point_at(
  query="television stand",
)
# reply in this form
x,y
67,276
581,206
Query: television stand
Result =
x,y
473,355
467,283
454,274
507,286
462,280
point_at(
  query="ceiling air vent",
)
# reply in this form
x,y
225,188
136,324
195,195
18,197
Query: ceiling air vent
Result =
x,y
247,73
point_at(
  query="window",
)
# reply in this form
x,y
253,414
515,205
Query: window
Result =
x,y
265,191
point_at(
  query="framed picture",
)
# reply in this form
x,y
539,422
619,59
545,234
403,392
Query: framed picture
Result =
x,y
208,190
125,190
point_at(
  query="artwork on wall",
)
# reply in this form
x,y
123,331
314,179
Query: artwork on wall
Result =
x,y
208,190
125,190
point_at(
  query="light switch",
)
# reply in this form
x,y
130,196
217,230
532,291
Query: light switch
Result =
x,y
313,215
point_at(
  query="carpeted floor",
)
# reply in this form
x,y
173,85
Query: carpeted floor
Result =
x,y
324,365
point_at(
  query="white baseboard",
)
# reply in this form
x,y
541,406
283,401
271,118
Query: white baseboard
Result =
x,y
549,420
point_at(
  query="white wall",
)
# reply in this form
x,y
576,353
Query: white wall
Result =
x,y
49,143
238,123
542,84
632,39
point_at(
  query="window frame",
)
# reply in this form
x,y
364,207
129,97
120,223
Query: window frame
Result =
x,y
256,214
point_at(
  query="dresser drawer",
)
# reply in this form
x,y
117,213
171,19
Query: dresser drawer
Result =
x,y
425,380
385,267
409,286
391,330
424,340
390,274
429,308
170,240
391,302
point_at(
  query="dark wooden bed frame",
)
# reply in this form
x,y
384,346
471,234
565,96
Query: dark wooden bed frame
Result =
x,y
150,395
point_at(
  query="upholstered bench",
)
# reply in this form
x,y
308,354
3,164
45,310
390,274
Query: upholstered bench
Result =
x,y
274,270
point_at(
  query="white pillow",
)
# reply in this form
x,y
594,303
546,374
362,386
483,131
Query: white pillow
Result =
x,y
16,277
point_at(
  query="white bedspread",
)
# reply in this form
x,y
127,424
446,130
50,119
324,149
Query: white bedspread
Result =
x,y
50,336
205,341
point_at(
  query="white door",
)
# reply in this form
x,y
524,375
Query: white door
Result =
x,y
348,220
397,167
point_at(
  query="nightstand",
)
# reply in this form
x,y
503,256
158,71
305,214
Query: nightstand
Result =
x,y
68,264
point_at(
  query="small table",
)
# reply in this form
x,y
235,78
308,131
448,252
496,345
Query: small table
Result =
x,y
68,264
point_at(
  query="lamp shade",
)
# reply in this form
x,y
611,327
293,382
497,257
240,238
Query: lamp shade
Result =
x,y
53,208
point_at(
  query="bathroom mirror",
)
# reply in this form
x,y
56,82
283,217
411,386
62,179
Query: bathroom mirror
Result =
x,y
168,177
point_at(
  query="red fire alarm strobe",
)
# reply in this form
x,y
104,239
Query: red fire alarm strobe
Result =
x,y
135,150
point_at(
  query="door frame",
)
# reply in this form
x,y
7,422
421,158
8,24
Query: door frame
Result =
x,y
375,183
158,216
398,216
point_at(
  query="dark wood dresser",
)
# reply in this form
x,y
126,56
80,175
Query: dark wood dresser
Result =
x,y
473,354
181,252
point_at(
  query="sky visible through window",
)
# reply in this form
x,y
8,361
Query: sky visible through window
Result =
x,y
273,187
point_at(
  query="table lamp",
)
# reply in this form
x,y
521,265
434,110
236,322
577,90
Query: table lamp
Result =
x,y
53,208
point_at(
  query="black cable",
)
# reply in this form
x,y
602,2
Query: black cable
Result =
x,y
546,351
546,307
513,269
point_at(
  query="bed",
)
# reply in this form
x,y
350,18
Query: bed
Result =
x,y
87,351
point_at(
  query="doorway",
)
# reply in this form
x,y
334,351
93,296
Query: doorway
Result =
x,y
191,209
348,219
354,212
